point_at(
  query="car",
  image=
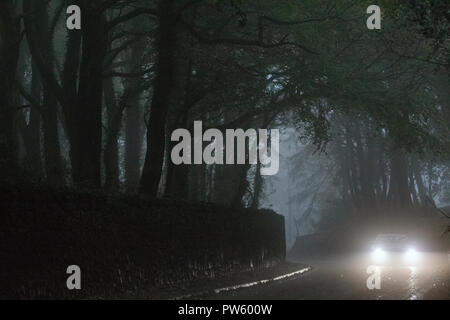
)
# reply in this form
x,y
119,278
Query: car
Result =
x,y
394,249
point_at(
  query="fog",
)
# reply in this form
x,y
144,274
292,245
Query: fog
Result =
x,y
334,114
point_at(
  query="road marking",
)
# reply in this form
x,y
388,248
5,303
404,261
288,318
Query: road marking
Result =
x,y
245,285
251,284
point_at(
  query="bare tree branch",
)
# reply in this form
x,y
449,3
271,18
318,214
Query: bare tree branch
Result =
x,y
131,15
243,42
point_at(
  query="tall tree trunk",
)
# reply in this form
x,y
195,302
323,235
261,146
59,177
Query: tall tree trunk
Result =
x,y
169,166
177,179
399,180
161,98
31,130
354,190
134,122
36,23
9,52
115,111
257,187
86,120
35,125
134,130
49,110
258,181
412,185
52,147
242,185
82,109
111,152
420,185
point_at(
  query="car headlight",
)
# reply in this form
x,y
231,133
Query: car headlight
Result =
x,y
378,254
411,255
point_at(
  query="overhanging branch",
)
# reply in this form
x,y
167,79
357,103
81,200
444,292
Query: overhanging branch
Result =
x,y
244,42
131,15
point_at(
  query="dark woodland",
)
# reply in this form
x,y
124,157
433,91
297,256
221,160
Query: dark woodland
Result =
x,y
86,118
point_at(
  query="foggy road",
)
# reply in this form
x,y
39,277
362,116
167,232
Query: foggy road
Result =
x,y
345,277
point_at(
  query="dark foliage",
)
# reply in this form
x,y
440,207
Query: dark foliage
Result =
x,y
124,243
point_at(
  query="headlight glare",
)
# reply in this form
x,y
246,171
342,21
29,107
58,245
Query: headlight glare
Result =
x,y
411,255
378,255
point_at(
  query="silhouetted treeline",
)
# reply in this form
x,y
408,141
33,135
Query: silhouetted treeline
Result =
x,y
96,107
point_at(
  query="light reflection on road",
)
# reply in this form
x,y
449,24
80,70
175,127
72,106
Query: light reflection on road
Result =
x,y
413,284
345,277
399,283
409,282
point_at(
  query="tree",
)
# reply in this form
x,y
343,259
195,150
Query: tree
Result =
x,y
166,46
80,91
9,53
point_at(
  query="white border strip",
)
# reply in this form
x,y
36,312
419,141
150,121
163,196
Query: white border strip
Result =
x,y
246,285
251,284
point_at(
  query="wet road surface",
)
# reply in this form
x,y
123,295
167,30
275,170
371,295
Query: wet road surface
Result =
x,y
346,277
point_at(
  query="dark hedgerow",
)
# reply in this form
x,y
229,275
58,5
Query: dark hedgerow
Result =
x,y
124,243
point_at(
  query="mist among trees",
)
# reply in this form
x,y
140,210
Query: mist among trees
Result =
x,y
364,115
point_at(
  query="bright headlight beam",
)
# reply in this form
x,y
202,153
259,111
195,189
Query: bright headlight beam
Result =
x,y
378,254
411,254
